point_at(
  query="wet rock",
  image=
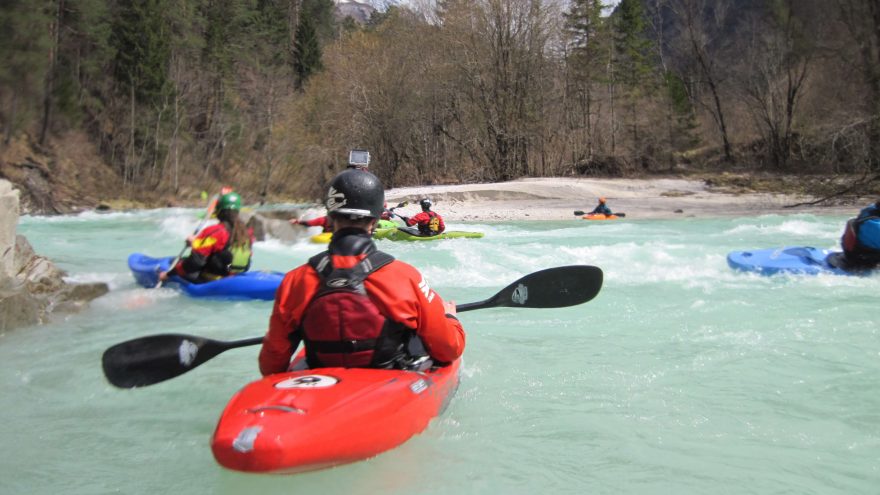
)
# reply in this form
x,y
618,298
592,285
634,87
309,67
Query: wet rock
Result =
x,y
31,286
8,222
275,224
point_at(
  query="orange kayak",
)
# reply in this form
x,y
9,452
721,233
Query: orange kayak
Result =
x,y
599,216
317,418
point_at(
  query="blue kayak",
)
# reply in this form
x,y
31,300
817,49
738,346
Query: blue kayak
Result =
x,y
792,259
248,285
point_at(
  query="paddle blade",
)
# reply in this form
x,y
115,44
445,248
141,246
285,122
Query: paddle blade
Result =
x,y
557,287
153,359
578,213
621,215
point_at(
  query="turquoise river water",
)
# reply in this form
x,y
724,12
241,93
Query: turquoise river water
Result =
x,y
680,377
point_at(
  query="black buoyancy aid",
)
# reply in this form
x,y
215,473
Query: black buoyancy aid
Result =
x,y
342,326
432,226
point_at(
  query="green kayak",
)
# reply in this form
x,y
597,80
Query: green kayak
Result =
x,y
387,224
401,235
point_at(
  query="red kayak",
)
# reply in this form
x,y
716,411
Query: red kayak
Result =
x,y
312,419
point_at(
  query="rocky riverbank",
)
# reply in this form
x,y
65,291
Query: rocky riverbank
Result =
x,y
31,286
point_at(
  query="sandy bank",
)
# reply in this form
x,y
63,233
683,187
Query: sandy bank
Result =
x,y
557,198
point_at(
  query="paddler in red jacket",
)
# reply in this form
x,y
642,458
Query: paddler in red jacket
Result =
x,y
220,250
428,222
323,222
354,306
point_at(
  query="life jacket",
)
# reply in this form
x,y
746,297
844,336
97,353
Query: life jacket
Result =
x,y
432,227
342,327
241,258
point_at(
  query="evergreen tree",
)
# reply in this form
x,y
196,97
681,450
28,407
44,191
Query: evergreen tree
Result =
x,y
632,49
23,48
224,20
143,49
682,112
322,14
83,58
584,24
307,51
587,40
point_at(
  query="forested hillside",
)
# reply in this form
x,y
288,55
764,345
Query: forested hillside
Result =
x,y
176,96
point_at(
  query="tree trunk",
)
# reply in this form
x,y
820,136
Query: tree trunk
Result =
x,y
55,35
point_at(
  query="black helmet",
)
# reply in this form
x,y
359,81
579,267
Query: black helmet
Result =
x,y
425,203
356,194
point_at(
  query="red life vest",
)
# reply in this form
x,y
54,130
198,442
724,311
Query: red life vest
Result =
x,y
343,327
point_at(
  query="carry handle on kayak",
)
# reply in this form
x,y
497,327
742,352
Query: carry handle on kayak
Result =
x,y
156,358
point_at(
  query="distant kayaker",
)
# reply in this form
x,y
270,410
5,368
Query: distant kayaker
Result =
x,y
861,238
220,250
428,222
601,208
355,306
323,222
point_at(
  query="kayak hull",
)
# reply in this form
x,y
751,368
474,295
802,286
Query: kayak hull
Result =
x,y
312,419
386,224
599,216
401,235
787,260
248,285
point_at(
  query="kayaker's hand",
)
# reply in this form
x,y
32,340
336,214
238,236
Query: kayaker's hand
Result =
x,y
449,306
294,221
163,276
190,240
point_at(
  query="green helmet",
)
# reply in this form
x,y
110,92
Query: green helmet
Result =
x,y
229,201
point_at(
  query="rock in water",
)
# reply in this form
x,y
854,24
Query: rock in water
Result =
x,y
31,285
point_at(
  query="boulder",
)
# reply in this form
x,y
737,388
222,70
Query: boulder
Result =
x,y
275,224
8,222
31,286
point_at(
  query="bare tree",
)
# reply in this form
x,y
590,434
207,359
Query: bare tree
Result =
x,y
498,48
862,18
779,59
698,40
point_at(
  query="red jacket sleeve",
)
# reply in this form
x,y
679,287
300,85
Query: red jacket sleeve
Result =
x,y
401,293
315,222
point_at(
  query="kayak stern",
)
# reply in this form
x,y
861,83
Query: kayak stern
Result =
x,y
313,419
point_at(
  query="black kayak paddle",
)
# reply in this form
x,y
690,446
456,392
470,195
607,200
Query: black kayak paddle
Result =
x,y
579,213
156,358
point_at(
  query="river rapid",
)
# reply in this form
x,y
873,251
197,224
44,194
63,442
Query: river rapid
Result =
x,y
681,376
